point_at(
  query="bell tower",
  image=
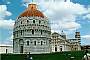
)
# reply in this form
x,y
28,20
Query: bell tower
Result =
x,y
77,36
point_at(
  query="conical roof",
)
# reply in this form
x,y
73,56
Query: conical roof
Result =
x,y
32,11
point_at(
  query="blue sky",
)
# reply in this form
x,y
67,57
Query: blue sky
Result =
x,y
73,15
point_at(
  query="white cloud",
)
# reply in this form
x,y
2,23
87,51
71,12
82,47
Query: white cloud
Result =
x,y
4,12
87,16
7,24
8,2
70,25
87,37
89,9
63,14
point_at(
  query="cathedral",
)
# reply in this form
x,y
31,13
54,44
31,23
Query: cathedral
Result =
x,y
32,34
59,42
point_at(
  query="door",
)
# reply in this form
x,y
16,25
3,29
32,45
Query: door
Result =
x,y
55,49
60,49
21,49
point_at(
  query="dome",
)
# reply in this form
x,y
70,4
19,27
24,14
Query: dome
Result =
x,y
32,11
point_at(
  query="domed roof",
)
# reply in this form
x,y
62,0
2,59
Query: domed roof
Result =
x,y
32,11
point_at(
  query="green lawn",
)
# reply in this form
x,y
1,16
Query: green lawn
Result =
x,y
52,56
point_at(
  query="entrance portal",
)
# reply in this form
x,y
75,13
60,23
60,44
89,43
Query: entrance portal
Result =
x,y
21,49
55,49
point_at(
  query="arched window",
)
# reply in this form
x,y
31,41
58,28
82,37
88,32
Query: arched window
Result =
x,y
28,43
32,31
21,32
60,49
21,49
35,43
41,42
56,48
21,22
6,50
75,49
33,21
41,32
27,21
39,21
21,42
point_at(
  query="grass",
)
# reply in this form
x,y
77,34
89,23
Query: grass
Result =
x,y
52,56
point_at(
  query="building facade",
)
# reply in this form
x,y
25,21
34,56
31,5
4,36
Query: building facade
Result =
x,y
59,42
31,32
6,48
85,47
